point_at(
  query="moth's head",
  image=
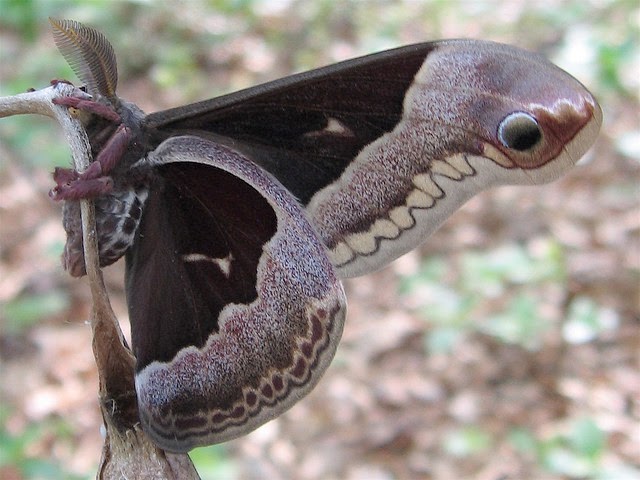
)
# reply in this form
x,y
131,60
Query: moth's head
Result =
x,y
524,112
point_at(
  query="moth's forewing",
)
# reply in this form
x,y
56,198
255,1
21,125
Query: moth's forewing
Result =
x,y
382,149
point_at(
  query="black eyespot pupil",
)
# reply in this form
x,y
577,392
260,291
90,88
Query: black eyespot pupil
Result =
x,y
519,131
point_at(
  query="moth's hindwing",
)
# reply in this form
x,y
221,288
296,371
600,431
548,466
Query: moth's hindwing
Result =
x,y
236,310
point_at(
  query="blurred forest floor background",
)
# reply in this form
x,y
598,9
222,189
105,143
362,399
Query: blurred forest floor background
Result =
x,y
506,347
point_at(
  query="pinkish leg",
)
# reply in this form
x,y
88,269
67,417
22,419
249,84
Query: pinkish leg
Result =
x,y
94,181
64,175
90,106
111,153
80,189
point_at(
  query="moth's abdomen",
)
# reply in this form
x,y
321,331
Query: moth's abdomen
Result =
x,y
118,216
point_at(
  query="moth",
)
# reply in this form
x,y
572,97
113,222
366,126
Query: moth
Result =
x,y
239,216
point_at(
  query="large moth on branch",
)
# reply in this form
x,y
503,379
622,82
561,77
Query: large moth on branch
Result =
x,y
238,216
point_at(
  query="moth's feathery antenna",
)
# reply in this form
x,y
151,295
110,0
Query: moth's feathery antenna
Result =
x,y
89,54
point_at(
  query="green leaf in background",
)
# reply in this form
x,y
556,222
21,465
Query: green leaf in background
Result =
x,y
22,15
579,453
443,340
467,441
499,292
214,462
489,272
27,310
586,320
521,323
615,62
587,439
561,460
15,448
523,441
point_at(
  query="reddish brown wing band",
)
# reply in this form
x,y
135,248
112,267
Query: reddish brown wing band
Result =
x,y
235,308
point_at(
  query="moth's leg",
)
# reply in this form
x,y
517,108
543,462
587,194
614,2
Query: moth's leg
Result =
x,y
80,188
91,106
95,180
110,154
